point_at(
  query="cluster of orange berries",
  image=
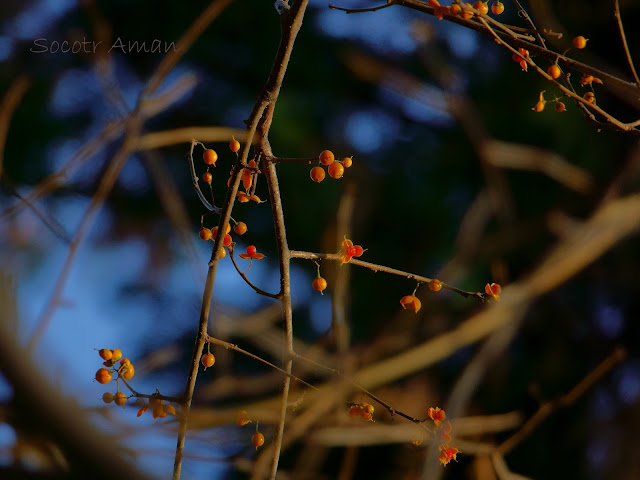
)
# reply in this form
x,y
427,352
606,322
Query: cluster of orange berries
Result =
x,y
159,409
413,303
126,369
465,11
104,375
363,410
538,107
334,167
257,440
443,435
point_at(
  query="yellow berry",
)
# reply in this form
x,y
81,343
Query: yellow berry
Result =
x,y
120,399
497,8
103,376
317,174
326,157
210,157
580,42
554,71
206,234
336,170
105,354
257,440
435,285
319,284
208,360
240,228
116,355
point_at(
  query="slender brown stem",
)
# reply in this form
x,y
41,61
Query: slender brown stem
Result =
x,y
381,268
624,42
235,348
248,282
566,400
360,10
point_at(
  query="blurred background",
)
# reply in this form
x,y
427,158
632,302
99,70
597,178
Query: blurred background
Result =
x,y
454,176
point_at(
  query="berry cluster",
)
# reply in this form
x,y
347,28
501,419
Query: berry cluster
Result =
x,y
126,369
157,406
554,71
465,11
248,177
334,167
443,435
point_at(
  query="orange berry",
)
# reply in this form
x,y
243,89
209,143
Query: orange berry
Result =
x,y
435,285
120,399
234,145
482,7
128,371
103,376
207,177
336,170
257,440
554,71
466,13
326,157
368,408
560,107
347,162
455,9
214,230
497,8
411,302
590,97
580,42
210,157
242,418
105,354
208,360
227,240
116,355
354,411
539,106
319,284
240,228
317,174
205,234
437,415
107,397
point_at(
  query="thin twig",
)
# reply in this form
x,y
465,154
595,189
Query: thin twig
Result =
x,y
566,400
231,346
246,279
624,42
349,11
523,13
381,268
